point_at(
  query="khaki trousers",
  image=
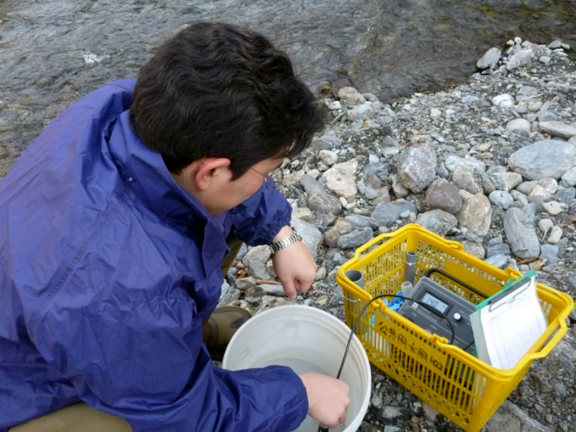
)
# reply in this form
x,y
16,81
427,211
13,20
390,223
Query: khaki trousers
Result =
x,y
75,418
83,418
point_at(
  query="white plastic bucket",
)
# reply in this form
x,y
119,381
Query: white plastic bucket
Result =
x,y
305,339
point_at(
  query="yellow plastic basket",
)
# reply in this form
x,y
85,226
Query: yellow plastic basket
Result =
x,y
458,385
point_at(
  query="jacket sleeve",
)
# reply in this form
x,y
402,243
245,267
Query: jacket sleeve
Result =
x,y
258,219
143,359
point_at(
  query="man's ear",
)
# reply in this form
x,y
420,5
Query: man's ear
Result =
x,y
208,170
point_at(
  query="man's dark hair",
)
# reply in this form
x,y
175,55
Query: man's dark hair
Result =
x,y
217,90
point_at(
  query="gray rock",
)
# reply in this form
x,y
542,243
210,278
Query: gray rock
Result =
x,y
376,169
469,99
543,159
519,125
521,58
476,214
499,260
388,141
465,178
311,235
437,221
429,412
417,168
361,111
392,412
359,221
442,171
387,213
569,177
566,195
549,253
341,227
255,259
245,283
355,238
349,96
526,92
228,294
453,161
443,195
511,418
497,248
326,142
501,199
319,199
398,188
474,248
520,234
329,157
559,129
276,290
490,59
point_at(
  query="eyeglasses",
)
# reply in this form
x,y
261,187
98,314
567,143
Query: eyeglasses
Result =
x,y
274,178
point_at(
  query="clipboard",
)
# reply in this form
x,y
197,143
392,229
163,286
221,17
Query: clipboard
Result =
x,y
507,324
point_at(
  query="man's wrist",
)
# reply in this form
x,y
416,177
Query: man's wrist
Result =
x,y
284,239
285,231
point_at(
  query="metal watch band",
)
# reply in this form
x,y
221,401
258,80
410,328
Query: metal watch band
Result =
x,y
286,241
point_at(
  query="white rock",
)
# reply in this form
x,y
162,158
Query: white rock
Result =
x,y
334,105
361,111
489,59
518,124
554,207
522,57
329,157
341,179
349,96
503,101
555,235
545,225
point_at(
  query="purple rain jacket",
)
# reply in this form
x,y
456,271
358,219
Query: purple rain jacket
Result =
x,y
108,269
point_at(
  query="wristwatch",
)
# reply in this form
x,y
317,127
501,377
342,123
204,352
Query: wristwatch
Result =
x,y
286,241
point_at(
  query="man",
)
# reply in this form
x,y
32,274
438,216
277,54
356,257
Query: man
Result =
x,y
112,232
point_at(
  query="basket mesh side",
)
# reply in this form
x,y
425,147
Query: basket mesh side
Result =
x,y
457,388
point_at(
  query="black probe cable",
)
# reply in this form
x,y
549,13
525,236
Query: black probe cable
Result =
x,y
357,320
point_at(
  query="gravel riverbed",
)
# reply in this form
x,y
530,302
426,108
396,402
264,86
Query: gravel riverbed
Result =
x,y
490,163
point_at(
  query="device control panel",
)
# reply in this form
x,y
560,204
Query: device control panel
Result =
x,y
456,310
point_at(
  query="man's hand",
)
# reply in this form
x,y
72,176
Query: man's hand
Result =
x,y
294,265
328,398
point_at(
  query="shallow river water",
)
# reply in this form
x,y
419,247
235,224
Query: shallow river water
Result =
x,y
54,51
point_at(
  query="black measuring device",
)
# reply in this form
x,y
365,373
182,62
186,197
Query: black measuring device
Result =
x,y
453,318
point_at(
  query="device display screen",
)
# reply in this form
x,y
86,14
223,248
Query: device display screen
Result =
x,y
435,302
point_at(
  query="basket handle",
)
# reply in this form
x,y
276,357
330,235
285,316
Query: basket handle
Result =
x,y
386,236
552,342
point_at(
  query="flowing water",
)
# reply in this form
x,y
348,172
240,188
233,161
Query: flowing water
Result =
x,y
54,51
